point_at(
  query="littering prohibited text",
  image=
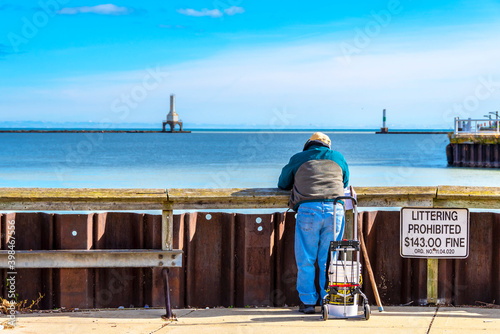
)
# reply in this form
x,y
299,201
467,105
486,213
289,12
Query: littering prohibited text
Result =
x,y
434,233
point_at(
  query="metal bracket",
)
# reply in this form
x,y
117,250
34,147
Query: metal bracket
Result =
x,y
167,229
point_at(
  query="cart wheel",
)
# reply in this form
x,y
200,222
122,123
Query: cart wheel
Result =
x,y
325,312
366,309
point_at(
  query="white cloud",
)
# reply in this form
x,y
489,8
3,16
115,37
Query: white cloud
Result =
x,y
172,26
200,13
107,9
234,10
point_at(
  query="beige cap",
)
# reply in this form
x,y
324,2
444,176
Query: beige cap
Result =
x,y
320,136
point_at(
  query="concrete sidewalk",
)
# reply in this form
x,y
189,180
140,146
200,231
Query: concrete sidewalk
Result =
x,y
260,320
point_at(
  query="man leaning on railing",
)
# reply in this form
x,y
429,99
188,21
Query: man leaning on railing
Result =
x,y
316,176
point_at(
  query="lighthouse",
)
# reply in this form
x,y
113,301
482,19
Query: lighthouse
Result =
x,y
173,118
384,128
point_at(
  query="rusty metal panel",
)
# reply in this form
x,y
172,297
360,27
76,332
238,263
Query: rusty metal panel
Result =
x,y
177,276
73,287
3,230
495,263
475,276
34,231
118,230
254,259
399,281
446,282
230,261
285,292
418,283
73,231
209,254
152,276
119,286
3,273
366,221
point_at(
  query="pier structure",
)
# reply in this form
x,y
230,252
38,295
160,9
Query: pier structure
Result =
x,y
479,127
475,143
385,130
173,118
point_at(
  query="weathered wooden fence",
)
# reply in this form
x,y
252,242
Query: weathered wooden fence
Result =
x,y
228,259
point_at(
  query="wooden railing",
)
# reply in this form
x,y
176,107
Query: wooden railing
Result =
x,y
60,199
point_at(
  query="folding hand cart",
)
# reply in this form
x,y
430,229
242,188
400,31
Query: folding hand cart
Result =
x,y
343,274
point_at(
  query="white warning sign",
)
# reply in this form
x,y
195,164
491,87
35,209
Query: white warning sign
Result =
x,y
434,233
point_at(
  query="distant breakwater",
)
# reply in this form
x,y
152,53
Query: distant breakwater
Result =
x,y
413,132
90,131
208,130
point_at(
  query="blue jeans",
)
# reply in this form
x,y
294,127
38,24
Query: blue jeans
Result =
x,y
313,233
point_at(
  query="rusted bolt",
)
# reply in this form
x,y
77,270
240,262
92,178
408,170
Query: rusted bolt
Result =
x,y
160,256
173,263
160,264
174,256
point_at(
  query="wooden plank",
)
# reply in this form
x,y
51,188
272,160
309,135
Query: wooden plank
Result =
x,y
228,198
82,194
50,199
395,202
395,196
445,192
92,259
71,199
468,197
275,198
46,205
467,203
396,191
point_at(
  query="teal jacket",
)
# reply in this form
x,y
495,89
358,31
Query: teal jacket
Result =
x,y
316,174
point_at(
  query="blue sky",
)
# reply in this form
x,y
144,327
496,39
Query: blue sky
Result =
x,y
250,63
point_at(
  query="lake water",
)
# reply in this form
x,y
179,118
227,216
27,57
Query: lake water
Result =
x,y
219,159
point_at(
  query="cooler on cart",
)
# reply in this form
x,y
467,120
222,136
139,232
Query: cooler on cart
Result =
x,y
343,274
